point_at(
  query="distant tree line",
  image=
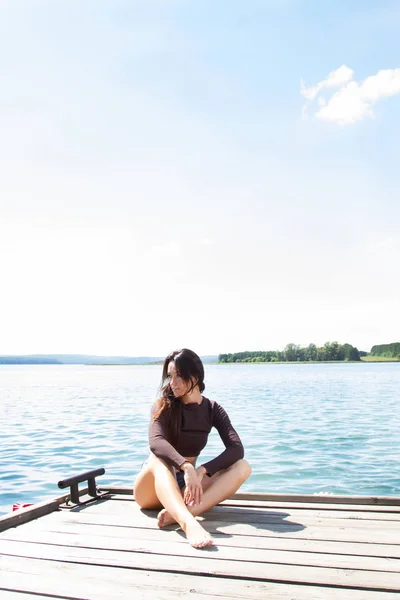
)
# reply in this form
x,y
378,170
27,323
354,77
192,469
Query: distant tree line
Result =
x,y
388,350
331,351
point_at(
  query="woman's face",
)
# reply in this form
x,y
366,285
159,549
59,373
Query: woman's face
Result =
x,y
179,386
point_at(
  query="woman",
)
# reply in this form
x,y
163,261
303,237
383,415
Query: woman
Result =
x,y
180,423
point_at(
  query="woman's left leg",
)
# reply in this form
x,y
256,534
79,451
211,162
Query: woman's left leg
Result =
x,y
225,484
216,489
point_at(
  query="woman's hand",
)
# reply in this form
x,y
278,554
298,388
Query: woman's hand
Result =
x,y
194,490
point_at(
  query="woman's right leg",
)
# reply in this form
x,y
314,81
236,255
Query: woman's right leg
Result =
x,y
144,491
155,485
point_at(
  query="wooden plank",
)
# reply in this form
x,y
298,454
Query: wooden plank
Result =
x,y
62,589
303,499
306,506
99,583
318,532
304,520
229,553
24,515
206,564
311,513
258,504
125,507
37,528
326,513
117,490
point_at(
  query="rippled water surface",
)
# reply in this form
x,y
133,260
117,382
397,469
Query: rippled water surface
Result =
x,y
306,428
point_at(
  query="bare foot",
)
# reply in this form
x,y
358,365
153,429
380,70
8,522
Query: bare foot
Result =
x,y
164,518
196,535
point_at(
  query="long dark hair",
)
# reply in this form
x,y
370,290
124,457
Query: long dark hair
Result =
x,y
190,368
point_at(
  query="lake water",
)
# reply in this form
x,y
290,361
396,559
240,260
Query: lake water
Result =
x,y
306,428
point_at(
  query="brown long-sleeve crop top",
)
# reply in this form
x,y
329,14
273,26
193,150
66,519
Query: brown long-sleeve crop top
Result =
x,y
197,421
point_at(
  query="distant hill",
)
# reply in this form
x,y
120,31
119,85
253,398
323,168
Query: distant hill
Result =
x,y
76,359
85,359
29,360
209,359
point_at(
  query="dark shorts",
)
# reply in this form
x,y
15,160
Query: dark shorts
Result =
x,y
180,479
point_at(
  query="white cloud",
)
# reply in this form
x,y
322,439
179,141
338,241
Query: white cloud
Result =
x,y
354,101
346,106
337,78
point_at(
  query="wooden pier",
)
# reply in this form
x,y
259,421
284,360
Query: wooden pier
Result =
x,y
267,546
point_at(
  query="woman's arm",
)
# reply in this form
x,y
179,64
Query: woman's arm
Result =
x,y
234,450
158,443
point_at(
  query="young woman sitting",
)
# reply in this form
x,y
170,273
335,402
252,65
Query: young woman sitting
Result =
x,y
180,423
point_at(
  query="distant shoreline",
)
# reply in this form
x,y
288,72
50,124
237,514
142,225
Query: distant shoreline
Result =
x,y
129,361
310,362
218,364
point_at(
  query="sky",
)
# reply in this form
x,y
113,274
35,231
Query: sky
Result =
x,y
222,176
